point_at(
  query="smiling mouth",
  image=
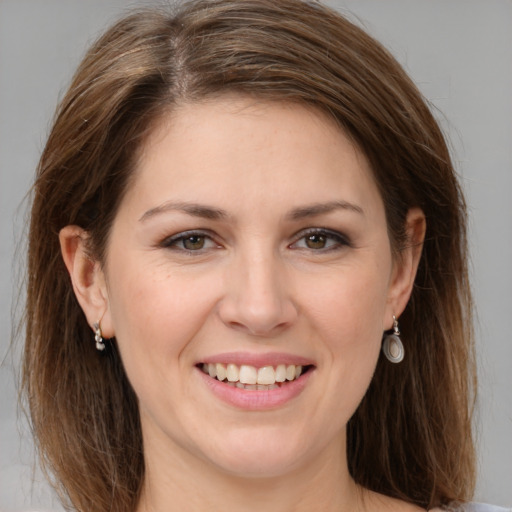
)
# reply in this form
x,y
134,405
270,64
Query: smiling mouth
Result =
x,y
252,378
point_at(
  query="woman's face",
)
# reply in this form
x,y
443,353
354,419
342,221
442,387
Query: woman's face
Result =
x,y
253,239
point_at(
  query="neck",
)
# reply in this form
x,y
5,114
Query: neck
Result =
x,y
177,481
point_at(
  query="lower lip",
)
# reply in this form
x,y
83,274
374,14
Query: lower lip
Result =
x,y
256,400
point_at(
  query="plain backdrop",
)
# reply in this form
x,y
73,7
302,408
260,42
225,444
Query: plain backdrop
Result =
x,y
459,52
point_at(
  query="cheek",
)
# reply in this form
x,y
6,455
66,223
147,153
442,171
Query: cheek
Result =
x,y
349,306
352,334
155,314
347,314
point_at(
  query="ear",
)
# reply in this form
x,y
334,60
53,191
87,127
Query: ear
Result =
x,y
87,278
406,266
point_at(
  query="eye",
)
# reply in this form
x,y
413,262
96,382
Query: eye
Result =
x,y
190,241
320,240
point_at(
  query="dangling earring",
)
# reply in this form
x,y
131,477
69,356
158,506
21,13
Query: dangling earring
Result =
x,y
100,344
392,345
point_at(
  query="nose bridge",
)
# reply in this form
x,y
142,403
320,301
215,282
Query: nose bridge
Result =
x,y
258,300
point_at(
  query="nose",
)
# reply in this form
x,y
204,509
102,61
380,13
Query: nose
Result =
x,y
258,299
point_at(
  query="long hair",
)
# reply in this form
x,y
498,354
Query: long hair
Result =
x,y
411,436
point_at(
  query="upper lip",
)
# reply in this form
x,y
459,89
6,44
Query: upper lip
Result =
x,y
257,360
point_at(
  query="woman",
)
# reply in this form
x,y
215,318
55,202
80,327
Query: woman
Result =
x,y
238,204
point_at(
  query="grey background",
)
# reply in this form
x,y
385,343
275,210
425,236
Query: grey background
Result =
x,y
459,52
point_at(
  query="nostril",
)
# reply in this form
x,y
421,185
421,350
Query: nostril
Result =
x,y
257,308
258,327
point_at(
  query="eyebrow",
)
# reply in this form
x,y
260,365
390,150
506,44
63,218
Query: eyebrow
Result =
x,y
194,209
316,209
209,212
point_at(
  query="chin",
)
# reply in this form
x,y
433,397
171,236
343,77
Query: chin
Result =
x,y
269,452
258,465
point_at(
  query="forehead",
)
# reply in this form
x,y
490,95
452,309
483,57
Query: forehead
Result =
x,y
251,150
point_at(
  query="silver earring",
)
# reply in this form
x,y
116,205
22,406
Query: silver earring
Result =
x,y
392,345
100,344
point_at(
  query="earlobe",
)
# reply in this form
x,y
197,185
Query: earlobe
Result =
x,y
87,277
407,263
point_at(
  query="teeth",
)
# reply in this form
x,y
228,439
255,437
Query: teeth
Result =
x,y
281,373
232,373
248,374
266,375
250,377
221,371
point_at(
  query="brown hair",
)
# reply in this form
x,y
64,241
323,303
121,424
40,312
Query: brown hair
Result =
x,y
411,436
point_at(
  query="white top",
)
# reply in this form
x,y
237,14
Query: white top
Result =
x,y
477,507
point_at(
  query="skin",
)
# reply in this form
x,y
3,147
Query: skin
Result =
x,y
327,298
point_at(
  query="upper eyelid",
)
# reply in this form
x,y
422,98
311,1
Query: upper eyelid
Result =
x,y
322,231
184,234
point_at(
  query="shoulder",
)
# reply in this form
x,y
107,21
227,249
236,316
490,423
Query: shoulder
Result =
x,y
475,507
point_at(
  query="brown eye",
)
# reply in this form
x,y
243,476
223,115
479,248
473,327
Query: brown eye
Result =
x,y
316,241
193,242
320,240
189,242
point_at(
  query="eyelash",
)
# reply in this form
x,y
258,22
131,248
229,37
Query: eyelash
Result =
x,y
340,240
337,240
173,241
